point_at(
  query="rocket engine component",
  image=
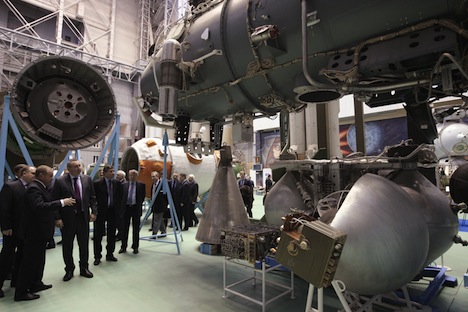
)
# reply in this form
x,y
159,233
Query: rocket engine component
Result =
x,y
170,79
399,228
238,57
147,155
224,207
395,219
286,196
61,103
441,222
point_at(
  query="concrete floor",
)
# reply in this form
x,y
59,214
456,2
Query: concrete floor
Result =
x,y
158,279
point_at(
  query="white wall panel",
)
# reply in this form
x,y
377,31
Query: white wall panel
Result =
x,y
128,114
126,32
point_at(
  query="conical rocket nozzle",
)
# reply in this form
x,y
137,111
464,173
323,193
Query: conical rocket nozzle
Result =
x,y
224,207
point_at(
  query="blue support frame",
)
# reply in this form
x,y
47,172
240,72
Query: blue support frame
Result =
x,y
113,157
8,120
439,280
199,204
113,143
167,191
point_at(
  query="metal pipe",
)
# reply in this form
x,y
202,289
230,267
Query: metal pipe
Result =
x,y
305,68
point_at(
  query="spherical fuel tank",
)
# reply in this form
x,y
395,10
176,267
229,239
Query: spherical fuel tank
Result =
x,y
283,196
147,155
393,225
387,240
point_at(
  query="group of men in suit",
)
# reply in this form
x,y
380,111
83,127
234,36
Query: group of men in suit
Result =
x,y
31,206
12,207
184,193
28,213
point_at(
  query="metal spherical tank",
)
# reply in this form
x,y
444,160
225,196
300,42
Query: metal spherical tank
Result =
x,y
283,196
387,241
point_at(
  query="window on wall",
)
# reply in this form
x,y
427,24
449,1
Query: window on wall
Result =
x,y
72,30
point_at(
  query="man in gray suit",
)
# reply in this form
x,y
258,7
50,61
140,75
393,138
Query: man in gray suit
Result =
x,y
74,220
133,195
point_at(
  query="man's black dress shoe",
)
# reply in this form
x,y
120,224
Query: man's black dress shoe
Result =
x,y
50,245
86,273
97,261
26,296
40,288
135,251
122,250
68,276
1,294
111,258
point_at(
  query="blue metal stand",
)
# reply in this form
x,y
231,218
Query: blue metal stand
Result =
x,y
199,204
7,120
113,157
113,143
439,280
167,191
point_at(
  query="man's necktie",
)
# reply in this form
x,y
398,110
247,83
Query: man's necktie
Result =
x,y
77,194
110,193
130,194
156,186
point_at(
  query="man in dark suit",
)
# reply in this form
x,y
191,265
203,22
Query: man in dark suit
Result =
x,y
108,195
174,186
133,196
246,187
12,208
193,197
74,220
185,202
159,204
39,221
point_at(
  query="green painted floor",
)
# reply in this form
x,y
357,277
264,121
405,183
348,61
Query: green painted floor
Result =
x,y
158,279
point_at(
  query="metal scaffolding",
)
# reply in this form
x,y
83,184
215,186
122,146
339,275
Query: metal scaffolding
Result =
x,y
19,49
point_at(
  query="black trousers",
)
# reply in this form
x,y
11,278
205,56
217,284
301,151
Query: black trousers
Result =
x,y
32,266
10,258
76,226
133,215
100,229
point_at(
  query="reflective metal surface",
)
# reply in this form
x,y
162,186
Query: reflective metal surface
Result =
x,y
61,103
387,237
224,206
283,196
393,231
